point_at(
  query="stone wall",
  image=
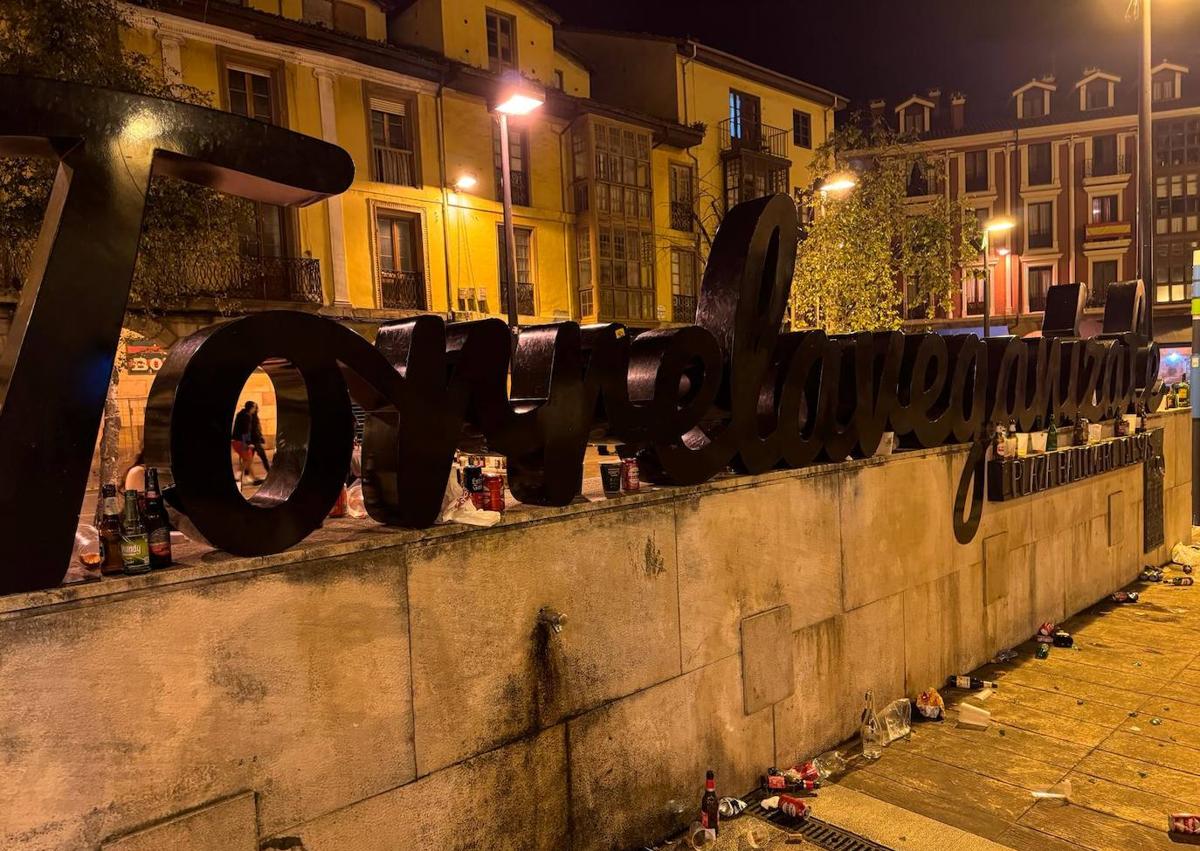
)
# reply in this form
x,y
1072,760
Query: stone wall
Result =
x,y
389,690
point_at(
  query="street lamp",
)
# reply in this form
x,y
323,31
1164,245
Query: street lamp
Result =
x,y
1145,166
996,224
517,97
838,182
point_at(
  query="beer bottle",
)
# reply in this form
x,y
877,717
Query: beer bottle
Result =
x,y
110,532
158,528
710,815
135,548
1052,436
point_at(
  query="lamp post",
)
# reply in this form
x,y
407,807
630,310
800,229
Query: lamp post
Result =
x,y
996,224
1145,195
519,97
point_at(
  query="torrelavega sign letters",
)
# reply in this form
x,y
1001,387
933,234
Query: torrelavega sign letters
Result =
x,y
729,390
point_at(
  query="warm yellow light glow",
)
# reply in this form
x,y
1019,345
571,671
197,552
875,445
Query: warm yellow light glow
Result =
x,y
519,103
839,182
999,224
141,126
465,182
1003,252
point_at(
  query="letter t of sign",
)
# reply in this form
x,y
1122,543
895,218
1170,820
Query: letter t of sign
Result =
x,y
56,365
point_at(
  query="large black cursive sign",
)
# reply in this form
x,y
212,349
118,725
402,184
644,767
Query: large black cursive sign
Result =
x,y
690,401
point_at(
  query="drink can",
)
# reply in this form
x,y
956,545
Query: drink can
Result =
x,y
630,481
473,483
494,496
792,806
1187,824
610,477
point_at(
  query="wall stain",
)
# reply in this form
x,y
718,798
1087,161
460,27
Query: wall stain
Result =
x,y
653,563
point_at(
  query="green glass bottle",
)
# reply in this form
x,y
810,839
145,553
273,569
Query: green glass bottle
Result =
x,y
1052,437
135,546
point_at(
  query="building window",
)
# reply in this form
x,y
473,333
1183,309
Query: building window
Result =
x,y
1104,209
1176,203
683,285
1095,95
1163,87
501,42
583,259
747,178
1033,103
682,209
401,283
1038,280
744,118
1041,224
523,238
1041,170
801,129
518,157
1177,142
626,273
1173,269
1104,273
914,120
393,154
976,166
336,15
252,93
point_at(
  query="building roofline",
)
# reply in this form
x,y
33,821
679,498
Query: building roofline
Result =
x,y
914,99
1170,66
724,61
1097,74
1041,84
539,9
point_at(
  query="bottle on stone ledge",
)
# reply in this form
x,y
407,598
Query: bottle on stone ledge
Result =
x,y
709,805
1052,436
135,548
158,529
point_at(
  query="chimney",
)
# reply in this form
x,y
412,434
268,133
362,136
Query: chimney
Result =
x,y
935,116
958,106
877,106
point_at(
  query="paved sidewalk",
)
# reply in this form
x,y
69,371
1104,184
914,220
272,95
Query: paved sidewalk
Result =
x,y
1118,716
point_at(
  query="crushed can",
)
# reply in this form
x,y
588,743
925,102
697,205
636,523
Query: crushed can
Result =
x,y
1185,824
774,781
792,806
494,497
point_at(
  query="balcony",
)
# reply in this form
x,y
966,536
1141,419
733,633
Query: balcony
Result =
x,y
1037,302
751,136
974,308
1100,231
296,279
681,215
525,306
402,290
520,188
1097,294
917,310
1117,166
393,165
683,308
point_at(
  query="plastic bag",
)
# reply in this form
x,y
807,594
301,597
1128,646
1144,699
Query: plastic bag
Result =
x,y
1188,554
355,507
896,720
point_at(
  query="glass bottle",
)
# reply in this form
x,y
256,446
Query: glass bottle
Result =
x,y
110,532
135,548
1052,436
158,529
872,736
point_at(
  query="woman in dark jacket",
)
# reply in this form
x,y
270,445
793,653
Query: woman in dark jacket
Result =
x,y
247,441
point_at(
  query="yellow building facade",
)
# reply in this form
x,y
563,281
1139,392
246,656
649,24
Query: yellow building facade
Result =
x,y
615,194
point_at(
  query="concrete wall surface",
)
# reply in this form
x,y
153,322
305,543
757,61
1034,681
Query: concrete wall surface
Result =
x,y
396,691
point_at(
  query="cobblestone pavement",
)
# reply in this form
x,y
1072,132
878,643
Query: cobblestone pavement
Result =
x,y
1118,716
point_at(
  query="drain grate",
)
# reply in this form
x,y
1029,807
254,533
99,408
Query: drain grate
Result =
x,y
819,833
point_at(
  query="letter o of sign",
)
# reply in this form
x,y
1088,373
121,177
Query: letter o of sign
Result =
x,y
190,412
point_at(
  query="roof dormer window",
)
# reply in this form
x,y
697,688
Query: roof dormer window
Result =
x,y
1033,98
1167,81
1096,89
914,115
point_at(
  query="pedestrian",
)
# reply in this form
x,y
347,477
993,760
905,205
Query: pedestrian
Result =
x,y
247,441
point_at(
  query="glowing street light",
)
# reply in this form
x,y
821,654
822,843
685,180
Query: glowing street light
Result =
x,y
465,183
996,224
517,97
839,182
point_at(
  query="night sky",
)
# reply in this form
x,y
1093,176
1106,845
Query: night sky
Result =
x,y
892,48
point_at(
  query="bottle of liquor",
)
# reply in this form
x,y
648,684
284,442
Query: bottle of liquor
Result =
x,y
1172,398
710,815
135,548
1052,436
972,683
158,528
1011,439
1120,427
1080,438
999,442
1183,393
1141,418
110,532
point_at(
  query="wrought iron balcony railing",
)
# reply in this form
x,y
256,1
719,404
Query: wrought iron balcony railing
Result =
x,y
1108,166
520,188
742,135
393,165
974,308
681,215
683,308
273,279
1097,295
525,306
402,290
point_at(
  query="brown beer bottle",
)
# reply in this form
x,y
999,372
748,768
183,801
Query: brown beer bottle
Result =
x,y
710,815
110,532
158,528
